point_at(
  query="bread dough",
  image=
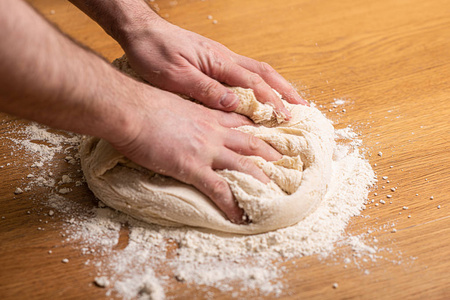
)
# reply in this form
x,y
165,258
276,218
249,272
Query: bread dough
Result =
x,y
299,180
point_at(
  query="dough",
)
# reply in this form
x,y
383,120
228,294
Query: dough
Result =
x,y
299,180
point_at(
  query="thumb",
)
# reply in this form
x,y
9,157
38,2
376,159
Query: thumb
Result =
x,y
208,91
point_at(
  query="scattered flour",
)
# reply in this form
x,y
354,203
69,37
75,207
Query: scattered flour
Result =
x,y
222,260
339,102
41,141
134,259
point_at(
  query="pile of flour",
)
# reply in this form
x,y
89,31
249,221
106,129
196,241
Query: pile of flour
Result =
x,y
224,260
154,258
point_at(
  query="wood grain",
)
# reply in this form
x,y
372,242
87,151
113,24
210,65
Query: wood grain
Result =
x,y
388,59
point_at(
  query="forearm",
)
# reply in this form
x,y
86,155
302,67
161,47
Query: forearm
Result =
x,y
46,77
119,18
183,62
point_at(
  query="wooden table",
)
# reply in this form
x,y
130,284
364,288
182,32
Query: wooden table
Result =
x,y
390,61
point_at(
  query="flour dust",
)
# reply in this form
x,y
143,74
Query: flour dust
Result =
x,y
137,260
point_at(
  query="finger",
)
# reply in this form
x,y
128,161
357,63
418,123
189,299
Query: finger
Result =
x,y
273,78
235,75
247,144
208,91
231,119
232,161
217,189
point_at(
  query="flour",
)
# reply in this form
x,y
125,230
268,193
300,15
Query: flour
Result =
x,y
154,257
44,143
224,260
337,102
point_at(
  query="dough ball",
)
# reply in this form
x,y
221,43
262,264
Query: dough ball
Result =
x,y
299,180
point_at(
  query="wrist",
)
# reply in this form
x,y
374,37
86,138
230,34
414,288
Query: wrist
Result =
x,y
135,21
122,117
119,18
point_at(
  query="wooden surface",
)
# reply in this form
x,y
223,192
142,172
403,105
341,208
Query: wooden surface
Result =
x,y
389,60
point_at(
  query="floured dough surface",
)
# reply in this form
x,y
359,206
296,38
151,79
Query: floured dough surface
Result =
x,y
299,180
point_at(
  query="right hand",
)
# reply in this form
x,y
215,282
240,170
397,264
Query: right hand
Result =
x,y
188,141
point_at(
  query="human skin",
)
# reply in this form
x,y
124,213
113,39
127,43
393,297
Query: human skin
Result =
x,y
46,77
184,62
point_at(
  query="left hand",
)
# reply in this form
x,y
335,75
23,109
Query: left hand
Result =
x,y
184,62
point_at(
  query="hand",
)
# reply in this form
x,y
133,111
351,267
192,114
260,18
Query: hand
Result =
x,y
155,129
188,141
184,62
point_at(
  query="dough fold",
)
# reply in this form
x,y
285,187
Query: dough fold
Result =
x,y
299,180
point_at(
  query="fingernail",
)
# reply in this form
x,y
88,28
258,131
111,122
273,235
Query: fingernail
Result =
x,y
228,100
303,102
245,219
286,113
242,220
299,99
238,221
282,114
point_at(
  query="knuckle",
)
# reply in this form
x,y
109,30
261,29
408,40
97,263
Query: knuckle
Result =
x,y
218,69
253,143
218,62
205,131
242,120
206,44
207,88
217,66
245,163
197,147
265,67
255,79
219,189
184,170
